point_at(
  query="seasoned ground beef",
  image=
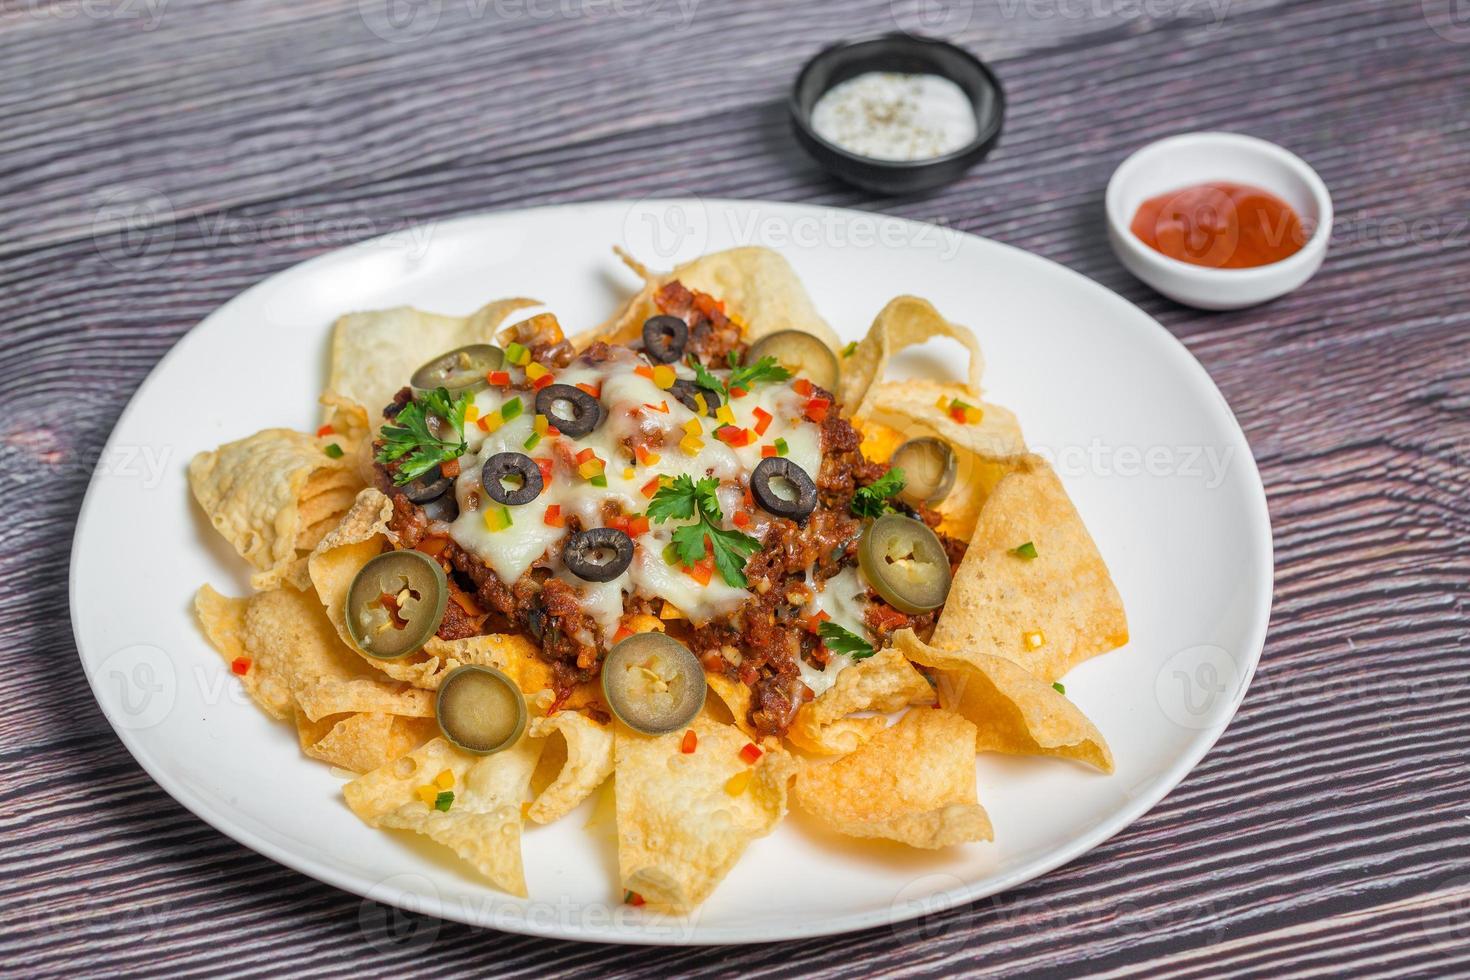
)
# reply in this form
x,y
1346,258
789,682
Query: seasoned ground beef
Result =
x,y
764,641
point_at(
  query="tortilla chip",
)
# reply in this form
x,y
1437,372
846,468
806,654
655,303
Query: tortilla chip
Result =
x,y
265,492
1014,711
266,679
758,286
913,783
736,697
1064,594
375,353
905,322
362,742
679,829
883,682
482,825
911,406
588,761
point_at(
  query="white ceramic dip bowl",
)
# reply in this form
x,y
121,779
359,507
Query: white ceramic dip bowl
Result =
x,y
1197,158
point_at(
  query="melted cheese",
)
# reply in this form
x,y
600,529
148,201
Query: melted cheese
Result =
x,y
844,598
626,397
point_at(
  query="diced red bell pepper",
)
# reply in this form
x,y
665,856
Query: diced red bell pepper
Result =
x,y
553,516
594,390
690,742
740,519
768,451
702,571
802,387
750,754
542,382
498,378
816,409
544,465
240,665
762,421
324,431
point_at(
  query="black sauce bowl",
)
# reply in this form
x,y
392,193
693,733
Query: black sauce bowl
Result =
x,y
908,54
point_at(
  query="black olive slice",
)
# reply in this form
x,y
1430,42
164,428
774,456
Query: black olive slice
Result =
x,y
800,353
427,488
664,338
517,468
462,369
783,488
395,603
599,554
480,710
585,412
928,466
684,390
653,683
905,563
445,509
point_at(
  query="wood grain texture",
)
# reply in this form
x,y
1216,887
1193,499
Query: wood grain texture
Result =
x,y
156,160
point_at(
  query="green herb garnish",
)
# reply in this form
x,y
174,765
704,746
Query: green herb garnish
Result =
x,y
444,801
781,448
1026,551
409,438
847,351
872,500
685,499
763,371
333,450
840,640
1059,688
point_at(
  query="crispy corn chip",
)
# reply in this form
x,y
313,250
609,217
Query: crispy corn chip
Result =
x,y
911,406
1014,711
884,682
904,322
265,679
375,353
682,822
735,696
482,825
262,493
361,535
1064,600
913,783
757,285
588,760
296,659
362,742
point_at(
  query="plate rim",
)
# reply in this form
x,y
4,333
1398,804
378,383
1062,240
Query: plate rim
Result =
x,y
1139,804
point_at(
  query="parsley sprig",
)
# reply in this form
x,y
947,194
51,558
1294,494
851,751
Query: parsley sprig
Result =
x,y
685,499
409,437
743,376
872,500
841,640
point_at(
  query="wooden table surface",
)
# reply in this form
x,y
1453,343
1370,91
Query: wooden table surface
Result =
x,y
159,156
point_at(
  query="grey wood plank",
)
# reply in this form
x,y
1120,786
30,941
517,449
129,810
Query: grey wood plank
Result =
x,y
1329,827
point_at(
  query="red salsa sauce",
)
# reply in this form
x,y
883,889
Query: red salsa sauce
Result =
x,y
1220,225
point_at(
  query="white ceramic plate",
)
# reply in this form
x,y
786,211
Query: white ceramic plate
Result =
x,y
1145,444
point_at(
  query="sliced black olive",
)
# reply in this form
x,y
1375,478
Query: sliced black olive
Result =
x,y
599,554
480,710
653,683
800,353
395,603
571,410
664,338
905,563
518,469
684,390
783,488
429,487
928,466
445,509
462,369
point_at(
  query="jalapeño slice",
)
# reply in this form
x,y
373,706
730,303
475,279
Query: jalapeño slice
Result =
x,y
653,683
799,352
395,603
480,710
905,563
462,369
